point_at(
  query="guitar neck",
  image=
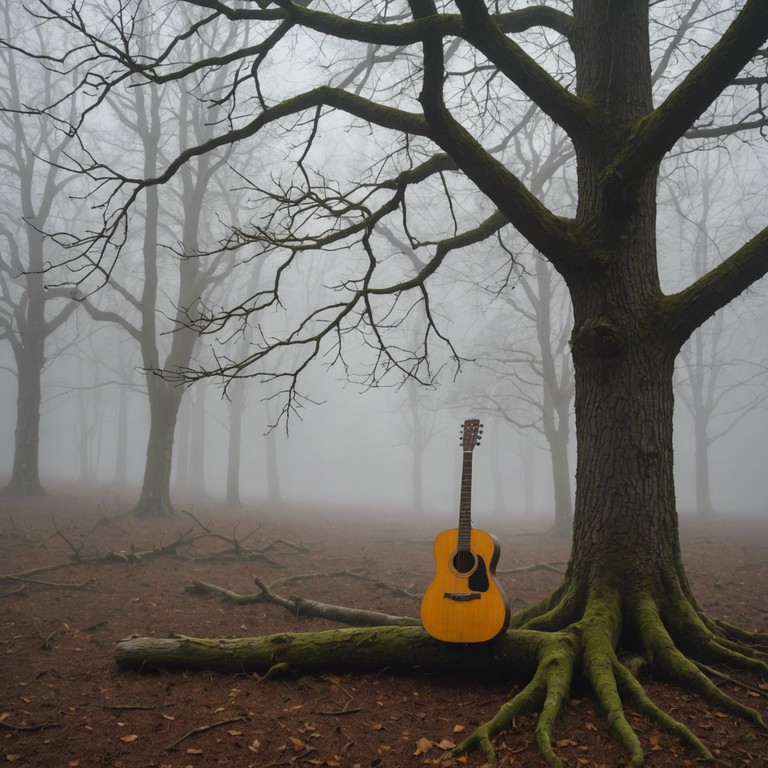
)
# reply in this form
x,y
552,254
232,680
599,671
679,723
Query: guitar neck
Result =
x,y
465,502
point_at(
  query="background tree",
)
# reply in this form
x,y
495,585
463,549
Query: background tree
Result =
x,y
437,133
717,382
31,149
143,115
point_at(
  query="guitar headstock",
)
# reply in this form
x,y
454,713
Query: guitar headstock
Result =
x,y
471,432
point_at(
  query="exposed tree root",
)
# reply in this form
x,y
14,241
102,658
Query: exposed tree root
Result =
x,y
588,646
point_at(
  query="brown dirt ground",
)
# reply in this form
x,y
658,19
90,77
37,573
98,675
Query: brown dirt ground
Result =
x,y
56,647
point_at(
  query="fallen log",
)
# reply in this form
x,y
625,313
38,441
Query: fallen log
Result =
x,y
370,648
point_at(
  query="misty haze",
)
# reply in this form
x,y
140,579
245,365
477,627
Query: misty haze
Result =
x,y
288,289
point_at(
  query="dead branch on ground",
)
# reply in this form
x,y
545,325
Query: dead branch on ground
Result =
x,y
299,606
356,573
203,729
182,546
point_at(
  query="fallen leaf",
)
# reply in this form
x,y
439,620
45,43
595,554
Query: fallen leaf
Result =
x,y
235,733
445,744
192,751
458,728
423,746
129,739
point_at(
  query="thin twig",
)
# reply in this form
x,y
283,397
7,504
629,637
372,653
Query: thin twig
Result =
x,y
29,728
137,706
203,729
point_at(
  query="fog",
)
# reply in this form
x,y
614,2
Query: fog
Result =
x,y
358,434
352,452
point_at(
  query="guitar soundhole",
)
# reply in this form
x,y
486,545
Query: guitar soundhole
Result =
x,y
464,561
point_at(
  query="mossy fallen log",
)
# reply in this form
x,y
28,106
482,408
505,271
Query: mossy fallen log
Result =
x,y
370,648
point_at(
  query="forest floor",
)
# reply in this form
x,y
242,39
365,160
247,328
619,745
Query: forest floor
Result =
x,y
65,704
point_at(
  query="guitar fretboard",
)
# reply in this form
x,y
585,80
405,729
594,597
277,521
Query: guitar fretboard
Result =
x,y
465,503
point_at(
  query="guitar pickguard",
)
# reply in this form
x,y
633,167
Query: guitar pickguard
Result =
x,y
478,579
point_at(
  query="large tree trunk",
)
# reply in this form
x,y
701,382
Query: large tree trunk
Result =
x,y
626,524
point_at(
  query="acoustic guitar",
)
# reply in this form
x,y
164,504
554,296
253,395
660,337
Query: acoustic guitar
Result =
x,y
464,603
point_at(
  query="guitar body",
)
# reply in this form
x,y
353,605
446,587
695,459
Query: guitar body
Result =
x,y
464,603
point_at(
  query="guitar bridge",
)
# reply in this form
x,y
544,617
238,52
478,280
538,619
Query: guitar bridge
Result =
x,y
462,597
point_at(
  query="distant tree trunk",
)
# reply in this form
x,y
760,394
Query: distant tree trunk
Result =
x,y
556,402
25,477
32,173
497,476
274,492
83,436
417,447
164,401
182,440
561,483
164,396
89,404
121,448
702,442
197,443
526,452
235,411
